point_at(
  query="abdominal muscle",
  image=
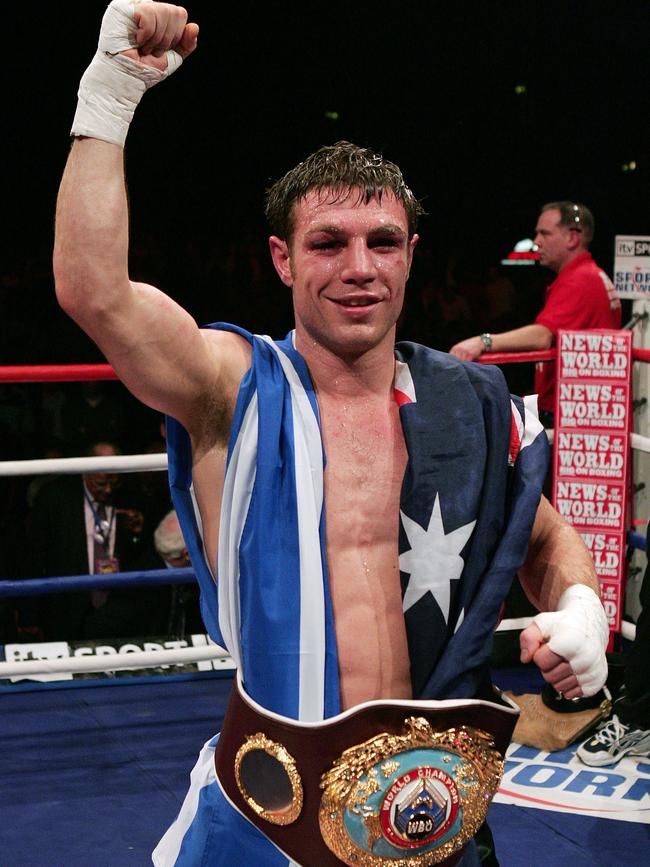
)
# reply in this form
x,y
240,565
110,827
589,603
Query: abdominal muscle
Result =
x,y
366,458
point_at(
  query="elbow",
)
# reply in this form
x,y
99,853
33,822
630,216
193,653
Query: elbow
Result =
x,y
67,283
80,292
546,338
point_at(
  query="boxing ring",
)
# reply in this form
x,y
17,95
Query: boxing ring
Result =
x,y
94,769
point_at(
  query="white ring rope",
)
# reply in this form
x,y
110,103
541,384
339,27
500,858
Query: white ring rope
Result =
x,y
114,661
628,630
179,656
74,466
140,463
640,443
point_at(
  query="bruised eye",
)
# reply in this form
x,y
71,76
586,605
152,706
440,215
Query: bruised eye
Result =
x,y
330,244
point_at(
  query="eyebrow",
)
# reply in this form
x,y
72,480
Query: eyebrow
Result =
x,y
331,229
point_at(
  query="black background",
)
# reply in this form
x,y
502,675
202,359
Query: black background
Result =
x,y
432,85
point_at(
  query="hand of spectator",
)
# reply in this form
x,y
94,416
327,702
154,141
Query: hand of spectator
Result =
x,y
468,350
133,520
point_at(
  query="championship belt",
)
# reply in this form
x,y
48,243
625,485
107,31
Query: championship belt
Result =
x,y
384,784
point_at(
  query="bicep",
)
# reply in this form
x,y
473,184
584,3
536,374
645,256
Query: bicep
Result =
x,y
162,356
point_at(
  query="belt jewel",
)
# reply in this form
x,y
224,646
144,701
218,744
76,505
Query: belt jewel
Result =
x,y
409,800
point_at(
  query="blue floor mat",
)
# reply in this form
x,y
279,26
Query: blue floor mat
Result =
x,y
92,777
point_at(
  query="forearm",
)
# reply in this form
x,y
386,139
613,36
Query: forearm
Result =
x,y
557,558
91,234
525,339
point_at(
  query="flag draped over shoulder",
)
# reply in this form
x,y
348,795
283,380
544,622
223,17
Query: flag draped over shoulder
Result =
x,y
476,463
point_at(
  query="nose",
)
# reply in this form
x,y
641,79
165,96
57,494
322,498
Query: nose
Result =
x,y
359,267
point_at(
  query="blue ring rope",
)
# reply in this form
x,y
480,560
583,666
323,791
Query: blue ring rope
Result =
x,y
70,583
636,540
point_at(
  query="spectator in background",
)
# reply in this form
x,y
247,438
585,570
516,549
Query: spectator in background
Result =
x,y
628,730
78,526
501,300
168,609
92,412
580,297
150,488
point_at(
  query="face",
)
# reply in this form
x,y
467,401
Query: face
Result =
x,y
102,486
555,243
347,266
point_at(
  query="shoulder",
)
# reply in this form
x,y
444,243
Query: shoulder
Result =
x,y
446,365
57,490
452,377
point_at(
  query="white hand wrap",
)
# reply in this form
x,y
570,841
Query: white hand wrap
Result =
x,y
578,631
112,86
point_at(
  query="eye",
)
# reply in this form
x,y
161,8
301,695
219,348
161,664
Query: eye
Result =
x,y
326,244
389,242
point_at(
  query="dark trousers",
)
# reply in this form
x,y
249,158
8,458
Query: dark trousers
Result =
x,y
634,704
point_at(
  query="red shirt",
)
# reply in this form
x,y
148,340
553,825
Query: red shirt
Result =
x,y
580,297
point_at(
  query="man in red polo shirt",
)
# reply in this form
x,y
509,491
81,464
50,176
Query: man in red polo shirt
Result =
x,y
581,296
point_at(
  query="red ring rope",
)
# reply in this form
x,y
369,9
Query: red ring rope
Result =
x,y
88,372
56,372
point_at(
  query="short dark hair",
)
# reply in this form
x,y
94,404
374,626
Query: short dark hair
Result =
x,y
574,215
341,168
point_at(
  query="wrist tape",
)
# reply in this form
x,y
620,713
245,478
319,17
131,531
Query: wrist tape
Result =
x,y
578,631
113,85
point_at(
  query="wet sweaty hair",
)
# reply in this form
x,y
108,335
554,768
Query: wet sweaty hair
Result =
x,y
343,169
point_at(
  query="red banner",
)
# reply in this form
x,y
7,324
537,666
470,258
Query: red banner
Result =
x,y
591,450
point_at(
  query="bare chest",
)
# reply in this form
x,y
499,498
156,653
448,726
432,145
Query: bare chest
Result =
x,y
366,458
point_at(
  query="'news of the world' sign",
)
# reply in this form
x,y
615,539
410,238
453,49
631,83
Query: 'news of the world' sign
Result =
x,y
590,457
632,266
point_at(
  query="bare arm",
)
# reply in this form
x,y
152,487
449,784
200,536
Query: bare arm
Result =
x,y
154,345
525,339
557,559
569,639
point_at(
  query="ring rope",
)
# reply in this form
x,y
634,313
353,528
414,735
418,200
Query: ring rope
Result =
x,y
114,661
175,656
56,372
94,464
155,462
88,372
104,581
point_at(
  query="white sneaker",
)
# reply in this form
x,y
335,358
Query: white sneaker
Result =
x,y
612,741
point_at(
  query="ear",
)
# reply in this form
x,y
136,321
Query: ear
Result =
x,y
281,259
412,244
574,241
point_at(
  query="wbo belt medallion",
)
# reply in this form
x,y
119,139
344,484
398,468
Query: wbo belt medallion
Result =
x,y
409,800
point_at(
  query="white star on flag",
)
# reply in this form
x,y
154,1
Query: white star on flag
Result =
x,y
434,560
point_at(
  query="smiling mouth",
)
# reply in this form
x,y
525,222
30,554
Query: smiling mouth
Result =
x,y
355,302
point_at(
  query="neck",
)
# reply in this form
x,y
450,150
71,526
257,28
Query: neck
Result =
x,y
367,373
573,255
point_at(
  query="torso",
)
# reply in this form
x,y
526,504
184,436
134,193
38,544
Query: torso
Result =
x,y
366,459
599,308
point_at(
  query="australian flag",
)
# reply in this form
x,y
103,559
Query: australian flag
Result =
x,y
477,461
475,468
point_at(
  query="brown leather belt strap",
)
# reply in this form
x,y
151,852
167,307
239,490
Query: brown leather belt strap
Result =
x,y
315,748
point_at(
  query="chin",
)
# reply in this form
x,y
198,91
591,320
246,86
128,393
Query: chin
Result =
x,y
358,341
